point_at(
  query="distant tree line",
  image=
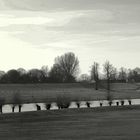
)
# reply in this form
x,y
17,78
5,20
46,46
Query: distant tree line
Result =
x,y
65,70
111,75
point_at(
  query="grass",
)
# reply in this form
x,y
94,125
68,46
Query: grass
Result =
x,y
48,92
106,123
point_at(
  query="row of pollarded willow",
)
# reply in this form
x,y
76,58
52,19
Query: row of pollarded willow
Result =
x,y
66,104
62,102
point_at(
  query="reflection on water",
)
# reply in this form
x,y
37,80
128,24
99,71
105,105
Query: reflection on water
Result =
x,y
32,106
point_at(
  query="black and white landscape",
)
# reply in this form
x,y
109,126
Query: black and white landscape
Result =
x,y
69,69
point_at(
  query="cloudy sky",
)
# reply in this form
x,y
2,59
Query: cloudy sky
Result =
x,y
34,32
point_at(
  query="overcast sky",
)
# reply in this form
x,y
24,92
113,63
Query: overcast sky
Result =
x,y
34,32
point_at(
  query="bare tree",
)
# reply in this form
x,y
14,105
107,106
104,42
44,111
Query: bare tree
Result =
x,y
95,74
109,70
85,78
134,75
123,74
114,74
68,65
45,71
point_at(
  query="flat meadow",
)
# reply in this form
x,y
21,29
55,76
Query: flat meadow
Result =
x,y
105,123
30,93
97,123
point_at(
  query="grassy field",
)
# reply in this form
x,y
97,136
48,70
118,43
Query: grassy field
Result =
x,y
48,92
106,123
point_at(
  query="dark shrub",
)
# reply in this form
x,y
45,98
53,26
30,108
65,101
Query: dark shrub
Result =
x,y
110,103
13,108
122,102
63,101
19,106
38,107
130,102
78,104
101,104
117,103
48,106
88,104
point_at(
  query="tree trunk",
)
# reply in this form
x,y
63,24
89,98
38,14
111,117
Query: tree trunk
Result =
x,y
1,108
96,85
13,108
108,84
117,103
20,108
129,102
101,104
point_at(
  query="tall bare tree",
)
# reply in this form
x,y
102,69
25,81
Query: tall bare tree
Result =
x,y
114,74
68,64
108,70
95,74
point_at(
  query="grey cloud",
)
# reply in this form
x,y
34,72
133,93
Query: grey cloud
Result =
x,y
99,19
112,17
43,5
89,25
